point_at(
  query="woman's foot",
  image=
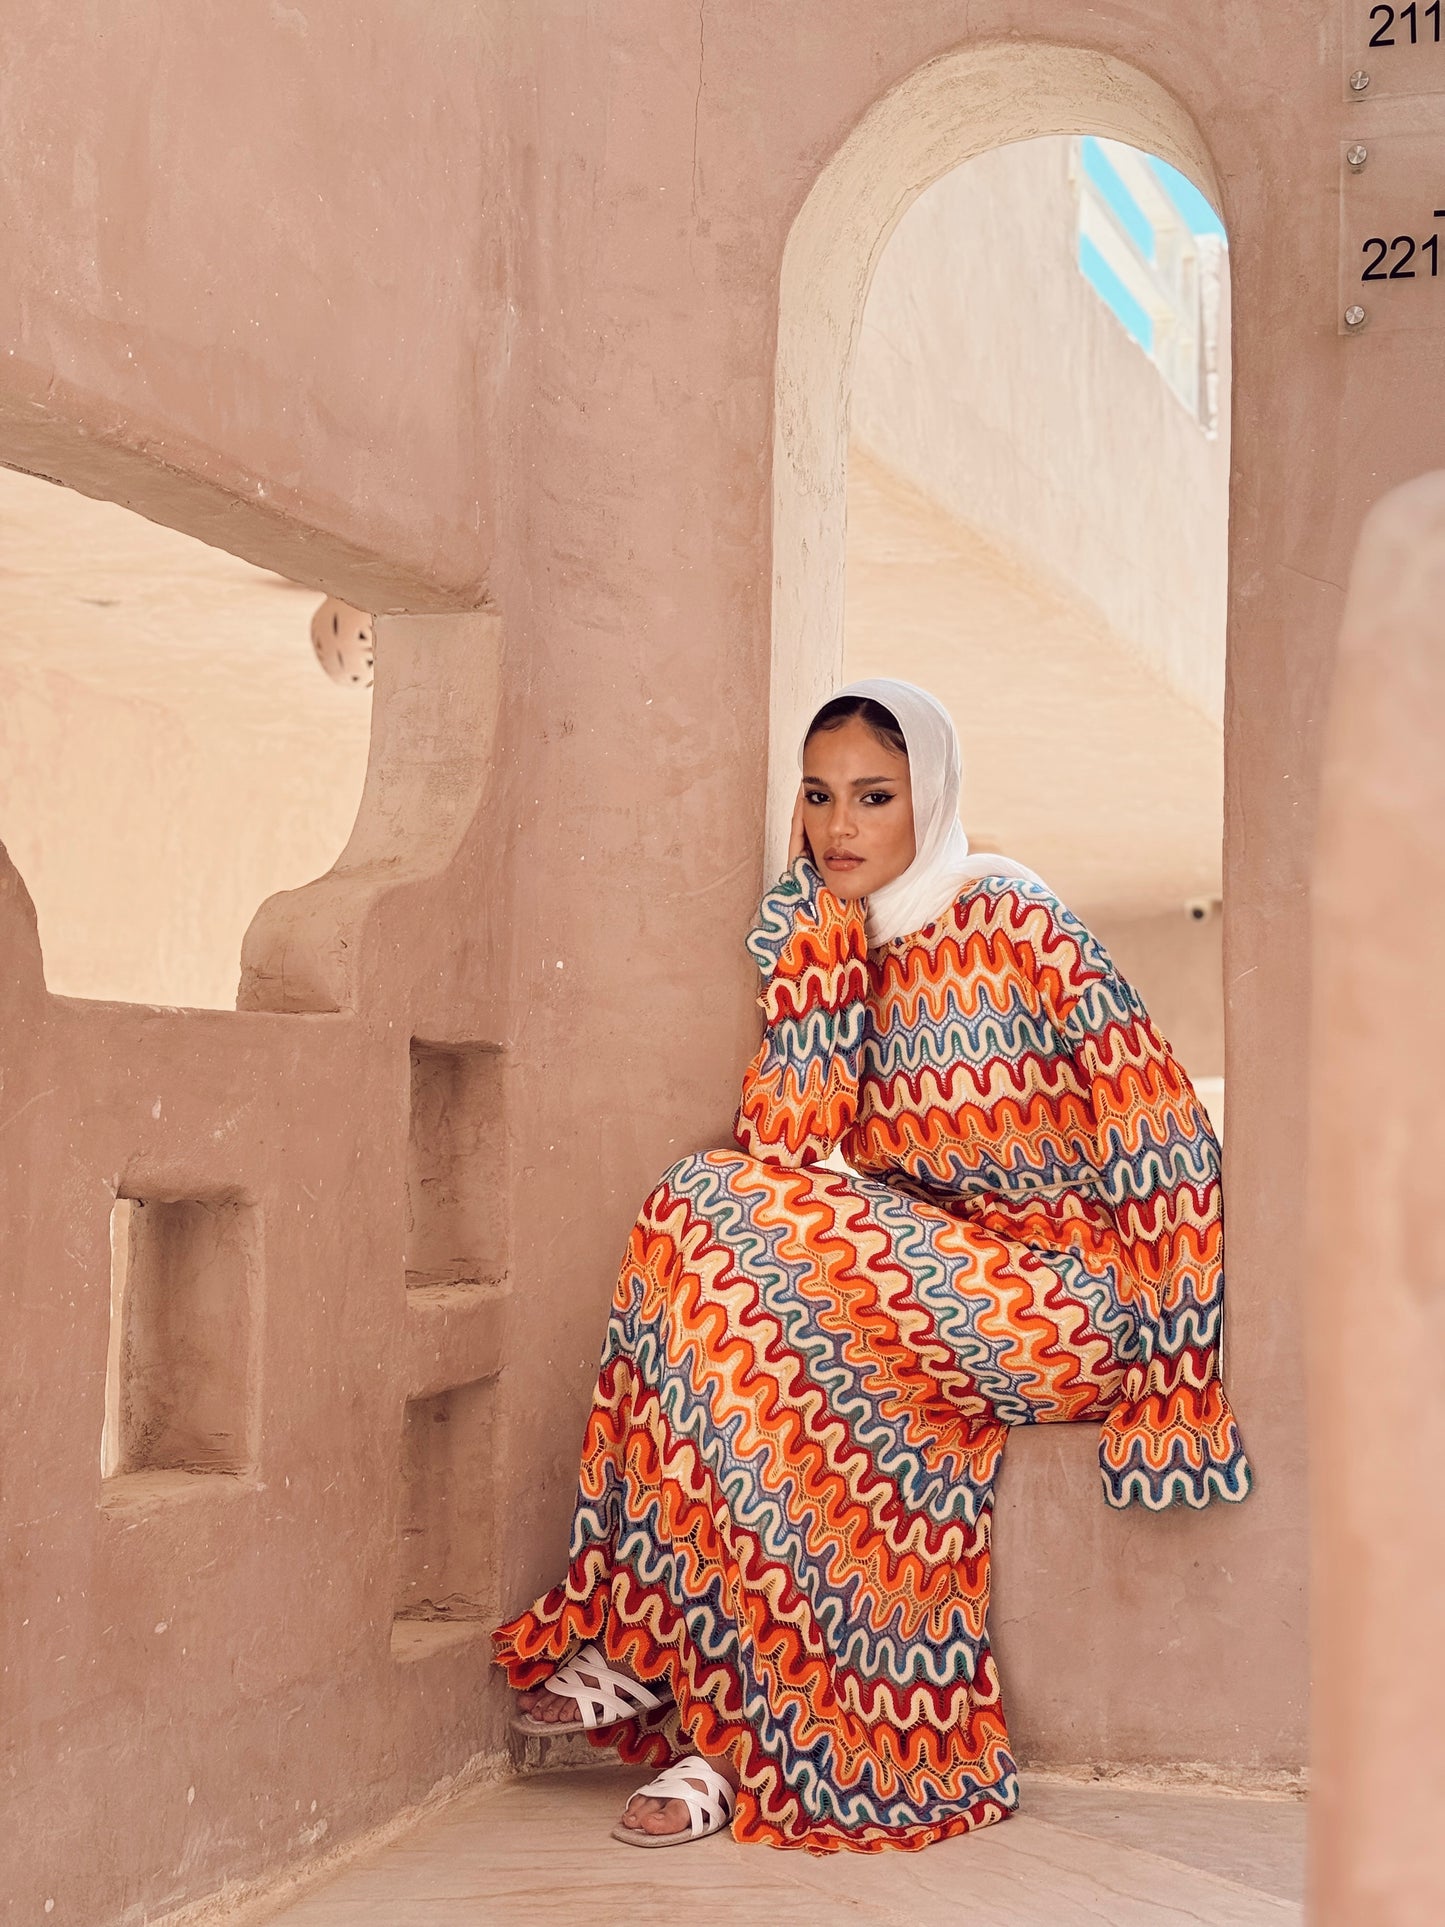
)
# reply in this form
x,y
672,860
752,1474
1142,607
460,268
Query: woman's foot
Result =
x,y
646,1814
543,1704
587,1693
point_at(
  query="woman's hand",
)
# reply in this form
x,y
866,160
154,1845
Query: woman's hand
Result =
x,y
798,835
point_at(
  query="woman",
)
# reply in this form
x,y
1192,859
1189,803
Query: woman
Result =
x,y
780,1554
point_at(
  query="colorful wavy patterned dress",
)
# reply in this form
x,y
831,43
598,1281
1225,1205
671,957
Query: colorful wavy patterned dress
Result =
x,y
787,1475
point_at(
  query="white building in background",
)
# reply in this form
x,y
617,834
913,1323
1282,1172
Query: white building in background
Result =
x,y
1134,226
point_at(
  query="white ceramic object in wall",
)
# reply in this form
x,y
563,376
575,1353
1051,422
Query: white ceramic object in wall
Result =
x,y
345,643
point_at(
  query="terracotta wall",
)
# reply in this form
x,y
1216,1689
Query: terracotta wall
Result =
x,y
479,312
256,278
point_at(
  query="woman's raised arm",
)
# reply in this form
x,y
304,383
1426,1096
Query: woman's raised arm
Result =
x,y
800,1092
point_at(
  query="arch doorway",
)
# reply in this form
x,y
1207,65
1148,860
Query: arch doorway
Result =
x,y
1060,1588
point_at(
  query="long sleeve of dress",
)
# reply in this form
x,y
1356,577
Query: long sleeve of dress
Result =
x,y
1173,1437
800,1092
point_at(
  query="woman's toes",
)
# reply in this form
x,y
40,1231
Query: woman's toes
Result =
x,y
539,1704
669,1816
639,1816
646,1814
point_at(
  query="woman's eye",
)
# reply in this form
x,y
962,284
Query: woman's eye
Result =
x,y
877,797
815,796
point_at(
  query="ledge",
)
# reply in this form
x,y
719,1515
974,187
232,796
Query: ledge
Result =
x,y
453,1333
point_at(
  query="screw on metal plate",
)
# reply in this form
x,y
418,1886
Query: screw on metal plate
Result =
x,y
1355,316
1357,156
1359,80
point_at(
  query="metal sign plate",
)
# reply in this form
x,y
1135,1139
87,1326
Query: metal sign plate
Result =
x,y
1391,50
1392,233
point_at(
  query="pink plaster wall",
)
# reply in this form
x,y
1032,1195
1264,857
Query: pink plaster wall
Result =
x,y
1377,1286
255,271
490,308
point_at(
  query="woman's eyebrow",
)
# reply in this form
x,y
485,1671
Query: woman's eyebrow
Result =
x,y
858,782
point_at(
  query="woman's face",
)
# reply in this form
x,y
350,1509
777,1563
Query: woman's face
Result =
x,y
857,809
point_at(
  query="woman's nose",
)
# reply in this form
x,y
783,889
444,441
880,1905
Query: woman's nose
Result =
x,y
841,821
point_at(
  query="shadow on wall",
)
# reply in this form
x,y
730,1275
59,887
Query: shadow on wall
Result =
x,y
170,752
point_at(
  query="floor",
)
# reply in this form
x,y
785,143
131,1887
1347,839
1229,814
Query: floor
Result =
x,y
537,1853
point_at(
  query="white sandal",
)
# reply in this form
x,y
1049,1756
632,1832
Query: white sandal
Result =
x,y
601,1705
709,1811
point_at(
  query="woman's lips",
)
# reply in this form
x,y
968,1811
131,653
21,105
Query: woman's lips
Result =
x,y
840,860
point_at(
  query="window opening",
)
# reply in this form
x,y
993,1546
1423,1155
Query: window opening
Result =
x,y
170,752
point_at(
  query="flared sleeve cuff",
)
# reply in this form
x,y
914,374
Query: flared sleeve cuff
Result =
x,y
1172,1441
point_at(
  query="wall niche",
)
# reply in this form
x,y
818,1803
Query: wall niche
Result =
x,y
180,1396
446,1557
456,1188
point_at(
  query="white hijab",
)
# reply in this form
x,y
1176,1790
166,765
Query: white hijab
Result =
x,y
942,862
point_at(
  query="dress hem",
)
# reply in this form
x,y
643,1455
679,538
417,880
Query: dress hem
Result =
x,y
653,1740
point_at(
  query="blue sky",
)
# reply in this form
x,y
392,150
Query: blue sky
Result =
x,y
1199,215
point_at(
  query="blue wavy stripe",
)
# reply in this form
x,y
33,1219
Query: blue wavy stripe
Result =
x,y
956,1040
794,894
1177,1482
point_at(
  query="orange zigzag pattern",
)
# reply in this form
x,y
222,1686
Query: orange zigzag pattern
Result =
x,y
784,1499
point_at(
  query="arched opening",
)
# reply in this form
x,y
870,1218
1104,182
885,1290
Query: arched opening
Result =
x,y
171,752
956,107
1037,531
1057,1578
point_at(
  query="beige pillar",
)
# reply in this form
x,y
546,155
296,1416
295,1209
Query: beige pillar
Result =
x,y
1377,1281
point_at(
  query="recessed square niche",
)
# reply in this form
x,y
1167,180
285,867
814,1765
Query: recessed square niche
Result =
x,y
456,1189
179,1391
446,1543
